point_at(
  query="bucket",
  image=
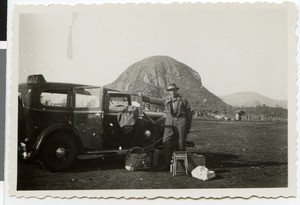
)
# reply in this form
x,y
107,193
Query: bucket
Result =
x,y
137,159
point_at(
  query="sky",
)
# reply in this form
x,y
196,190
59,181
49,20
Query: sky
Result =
x,y
240,48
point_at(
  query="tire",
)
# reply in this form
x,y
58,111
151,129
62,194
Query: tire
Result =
x,y
59,152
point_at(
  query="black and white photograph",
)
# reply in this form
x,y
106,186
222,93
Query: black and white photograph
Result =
x,y
148,100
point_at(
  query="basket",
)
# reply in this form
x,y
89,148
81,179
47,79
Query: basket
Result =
x,y
137,159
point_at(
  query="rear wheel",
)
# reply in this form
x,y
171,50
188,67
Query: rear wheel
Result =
x,y
59,152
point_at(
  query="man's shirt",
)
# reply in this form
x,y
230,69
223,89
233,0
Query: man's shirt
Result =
x,y
174,106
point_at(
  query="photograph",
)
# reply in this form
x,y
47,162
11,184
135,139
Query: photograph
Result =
x,y
153,100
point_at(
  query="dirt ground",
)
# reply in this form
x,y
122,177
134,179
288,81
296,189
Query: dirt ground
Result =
x,y
243,155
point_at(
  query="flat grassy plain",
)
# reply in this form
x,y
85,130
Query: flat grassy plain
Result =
x,y
243,155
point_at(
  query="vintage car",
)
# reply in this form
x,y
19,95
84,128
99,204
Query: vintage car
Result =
x,y
59,121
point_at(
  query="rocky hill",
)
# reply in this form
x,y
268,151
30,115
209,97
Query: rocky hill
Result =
x,y
152,75
252,99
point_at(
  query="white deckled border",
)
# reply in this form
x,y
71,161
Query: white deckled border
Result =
x,y
2,44
10,172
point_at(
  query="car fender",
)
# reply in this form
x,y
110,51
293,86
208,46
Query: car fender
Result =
x,y
50,130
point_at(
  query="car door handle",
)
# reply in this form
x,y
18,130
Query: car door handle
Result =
x,y
98,114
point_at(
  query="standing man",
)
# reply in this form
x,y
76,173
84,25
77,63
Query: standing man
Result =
x,y
178,121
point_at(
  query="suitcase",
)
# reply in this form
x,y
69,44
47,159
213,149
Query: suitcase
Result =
x,y
158,158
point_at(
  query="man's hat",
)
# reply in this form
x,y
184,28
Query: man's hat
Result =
x,y
172,86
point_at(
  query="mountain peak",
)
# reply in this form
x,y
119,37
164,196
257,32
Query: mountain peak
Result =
x,y
159,59
163,70
155,73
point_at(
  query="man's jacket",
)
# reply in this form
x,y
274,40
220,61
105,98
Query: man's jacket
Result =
x,y
183,108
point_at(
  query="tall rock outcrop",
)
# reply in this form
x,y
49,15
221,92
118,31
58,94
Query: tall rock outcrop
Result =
x,y
152,75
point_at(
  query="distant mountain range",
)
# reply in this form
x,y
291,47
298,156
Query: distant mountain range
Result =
x,y
153,74
252,99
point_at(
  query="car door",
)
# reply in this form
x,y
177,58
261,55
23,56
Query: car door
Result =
x,y
88,116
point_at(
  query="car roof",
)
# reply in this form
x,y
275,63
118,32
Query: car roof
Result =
x,y
57,85
38,81
53,84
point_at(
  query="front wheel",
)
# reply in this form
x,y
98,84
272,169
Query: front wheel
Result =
x,y
59,152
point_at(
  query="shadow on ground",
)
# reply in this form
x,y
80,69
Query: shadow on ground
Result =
x,y
217,160
213,160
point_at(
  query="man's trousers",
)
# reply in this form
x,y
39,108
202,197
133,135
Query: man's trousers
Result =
x,y
174,138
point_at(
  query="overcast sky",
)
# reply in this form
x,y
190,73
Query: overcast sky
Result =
x,y
236,49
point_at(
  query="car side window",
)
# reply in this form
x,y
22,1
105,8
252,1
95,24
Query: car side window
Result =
x,y
53,99
116,102
87,97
